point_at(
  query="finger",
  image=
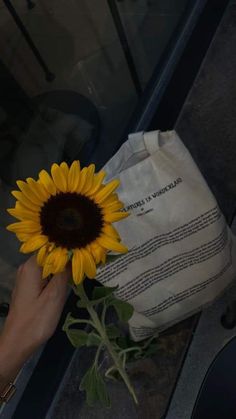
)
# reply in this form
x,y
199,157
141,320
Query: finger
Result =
x,y
19,270
29,277
57,287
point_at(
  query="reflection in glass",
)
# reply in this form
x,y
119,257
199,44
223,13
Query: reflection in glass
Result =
x,y
83,112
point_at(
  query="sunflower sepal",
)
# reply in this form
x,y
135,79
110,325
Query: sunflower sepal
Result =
x,y
111,257
70,254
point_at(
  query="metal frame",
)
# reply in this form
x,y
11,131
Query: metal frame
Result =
x,y
170,78
49,76
125,45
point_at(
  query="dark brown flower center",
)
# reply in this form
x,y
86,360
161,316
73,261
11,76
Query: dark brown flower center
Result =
x,y
71,220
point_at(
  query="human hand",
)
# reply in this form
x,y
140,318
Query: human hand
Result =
x,y
34,313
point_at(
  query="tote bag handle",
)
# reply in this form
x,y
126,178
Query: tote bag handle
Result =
x,y
151,141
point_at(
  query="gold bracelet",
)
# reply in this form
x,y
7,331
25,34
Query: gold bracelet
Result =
x,y
8,391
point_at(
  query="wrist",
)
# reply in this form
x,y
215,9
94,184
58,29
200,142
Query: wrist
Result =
x,y
12,357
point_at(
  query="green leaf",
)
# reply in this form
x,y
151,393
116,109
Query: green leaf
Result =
x,y
112,331
150,350
123,342
93,339
146,348
95,388
102,391
102,292
88,384
123,309
77,337
87,379
112,258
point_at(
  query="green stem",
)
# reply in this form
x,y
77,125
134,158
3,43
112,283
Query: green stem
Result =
x,y
124,351
103,315
107,373
81,321
102,332
98,354
66,326
149,340
124,360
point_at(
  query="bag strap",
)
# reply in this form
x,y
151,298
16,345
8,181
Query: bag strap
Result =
x,y
151,141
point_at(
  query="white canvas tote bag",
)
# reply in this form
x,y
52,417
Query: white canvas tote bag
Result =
x,y
181,252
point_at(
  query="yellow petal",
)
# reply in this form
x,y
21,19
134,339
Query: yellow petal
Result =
x,y
25,227
42,254
59,178
23,237
29,192
74,176
25,201
50,263
112,199
19,205
115,216
110,231
98,252
89,264
111,244
107,190
34,243
64,167
47,269
38,189
46,180
116,206
60,259
51,246
24,214
77,266
97,181
89,179
103,259
83,177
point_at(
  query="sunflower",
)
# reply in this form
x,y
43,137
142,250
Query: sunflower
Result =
x,y
68,215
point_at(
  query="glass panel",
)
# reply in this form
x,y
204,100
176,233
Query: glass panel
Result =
x,y
83,111
79,115
79,43
149,25
73,97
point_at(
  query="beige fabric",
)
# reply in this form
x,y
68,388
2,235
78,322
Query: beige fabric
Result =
x,y
182,254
